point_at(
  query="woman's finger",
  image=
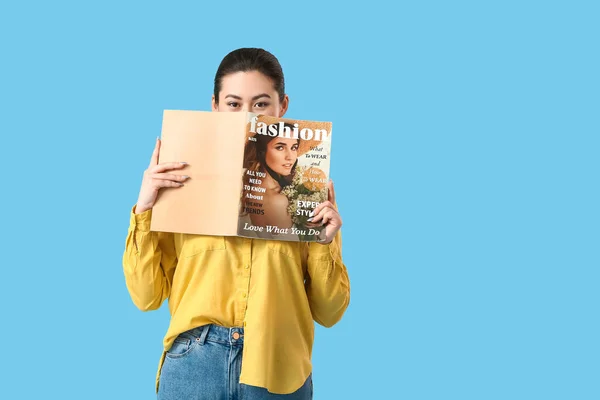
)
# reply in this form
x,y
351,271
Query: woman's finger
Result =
x,y
167,166
320,207
316,218
328,216
170,177
154,158
319,216
160,183
330,192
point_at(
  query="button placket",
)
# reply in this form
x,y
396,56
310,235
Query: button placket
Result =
x,y
244,282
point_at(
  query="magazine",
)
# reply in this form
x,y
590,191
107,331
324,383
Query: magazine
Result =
x,y
251,175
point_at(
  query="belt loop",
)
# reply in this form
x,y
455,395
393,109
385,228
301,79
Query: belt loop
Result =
x,y
204,333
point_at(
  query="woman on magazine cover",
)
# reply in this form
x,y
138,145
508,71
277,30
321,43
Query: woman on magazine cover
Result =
x,y
242,310
275,159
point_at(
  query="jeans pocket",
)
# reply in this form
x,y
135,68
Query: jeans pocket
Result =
x,y
180,347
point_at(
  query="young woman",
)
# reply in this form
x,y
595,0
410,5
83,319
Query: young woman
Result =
x,y
242,310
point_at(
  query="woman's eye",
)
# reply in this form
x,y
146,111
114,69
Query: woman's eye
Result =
x,y
295,147
279,148
232,104
262,104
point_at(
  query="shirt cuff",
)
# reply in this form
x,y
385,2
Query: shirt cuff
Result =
x,y
141,221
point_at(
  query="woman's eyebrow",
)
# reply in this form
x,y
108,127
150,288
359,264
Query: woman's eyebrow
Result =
x,y
260,95
233,96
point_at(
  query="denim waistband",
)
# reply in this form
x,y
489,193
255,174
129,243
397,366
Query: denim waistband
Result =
x,y
216,333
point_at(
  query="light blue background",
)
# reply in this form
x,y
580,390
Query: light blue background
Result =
x,y
465,158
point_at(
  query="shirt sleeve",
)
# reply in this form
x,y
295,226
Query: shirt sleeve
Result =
x,y
327,284
149,262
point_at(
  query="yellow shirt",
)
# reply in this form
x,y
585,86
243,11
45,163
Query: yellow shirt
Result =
x,y
274,289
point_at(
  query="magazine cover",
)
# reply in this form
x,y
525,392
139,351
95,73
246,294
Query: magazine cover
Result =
x,y
285,175
251,175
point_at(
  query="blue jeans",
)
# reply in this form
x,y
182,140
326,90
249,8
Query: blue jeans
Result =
x,y
204,363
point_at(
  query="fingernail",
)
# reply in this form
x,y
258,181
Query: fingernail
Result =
x,y
183,163
186,177
312,213
309,220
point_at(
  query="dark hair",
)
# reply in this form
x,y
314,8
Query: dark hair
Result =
x,y
255,154
251,59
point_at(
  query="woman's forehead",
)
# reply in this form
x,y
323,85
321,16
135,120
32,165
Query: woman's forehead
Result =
x,y
247,85
277,140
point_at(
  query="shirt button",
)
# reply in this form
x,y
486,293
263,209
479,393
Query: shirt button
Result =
x,y
244,295
247,266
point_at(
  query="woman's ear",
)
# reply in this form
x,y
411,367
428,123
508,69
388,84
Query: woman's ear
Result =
x,y
284,105
215,106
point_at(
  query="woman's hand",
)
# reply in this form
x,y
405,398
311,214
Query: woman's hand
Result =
x,y
327,215
155,177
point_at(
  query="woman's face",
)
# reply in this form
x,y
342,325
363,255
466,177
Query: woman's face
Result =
x,y
252,92
281,155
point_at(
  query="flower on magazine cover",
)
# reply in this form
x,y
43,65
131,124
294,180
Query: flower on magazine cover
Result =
x,y
306,186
